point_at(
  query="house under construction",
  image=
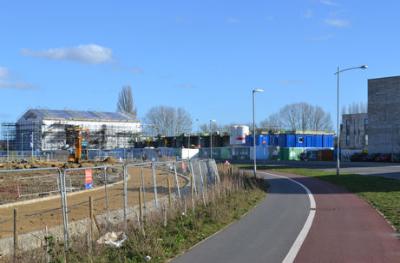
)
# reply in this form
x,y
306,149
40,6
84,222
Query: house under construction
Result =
x,y
49,130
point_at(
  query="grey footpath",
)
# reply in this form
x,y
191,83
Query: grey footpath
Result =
x,y
266,234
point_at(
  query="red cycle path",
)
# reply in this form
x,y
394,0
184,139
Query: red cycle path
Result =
x,y
346,228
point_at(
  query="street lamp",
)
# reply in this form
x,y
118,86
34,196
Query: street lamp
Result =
x,y
254,132
211,146
337,73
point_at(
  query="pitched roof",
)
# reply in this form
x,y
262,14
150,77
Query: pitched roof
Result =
x,y
80,115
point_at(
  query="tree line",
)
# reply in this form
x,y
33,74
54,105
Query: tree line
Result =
x,y
171,121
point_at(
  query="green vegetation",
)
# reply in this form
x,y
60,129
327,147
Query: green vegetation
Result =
x,y
183,231
165,236
382,193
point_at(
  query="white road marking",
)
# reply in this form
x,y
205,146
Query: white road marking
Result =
x,y
294,250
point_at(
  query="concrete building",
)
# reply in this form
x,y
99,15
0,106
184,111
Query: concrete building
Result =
x,y
353,131
46,130
384,115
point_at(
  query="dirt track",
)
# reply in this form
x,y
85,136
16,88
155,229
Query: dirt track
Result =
x,y
38,215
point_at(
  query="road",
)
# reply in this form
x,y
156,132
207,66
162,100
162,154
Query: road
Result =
x,y
388,170
266,234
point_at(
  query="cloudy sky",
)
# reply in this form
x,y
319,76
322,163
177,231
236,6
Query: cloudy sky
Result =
x,y
205,56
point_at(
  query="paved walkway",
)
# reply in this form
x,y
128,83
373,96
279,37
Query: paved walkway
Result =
x,y
266,234
346,228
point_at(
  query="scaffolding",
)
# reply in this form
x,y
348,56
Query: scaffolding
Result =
x,y
38,137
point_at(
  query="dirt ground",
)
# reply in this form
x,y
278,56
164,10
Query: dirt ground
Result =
x,y
38,215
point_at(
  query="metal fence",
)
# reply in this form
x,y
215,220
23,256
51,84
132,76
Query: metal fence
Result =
x,y
70,203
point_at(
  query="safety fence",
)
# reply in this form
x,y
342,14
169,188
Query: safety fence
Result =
x,y
71,205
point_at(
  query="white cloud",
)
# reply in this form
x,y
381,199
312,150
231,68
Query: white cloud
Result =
x,y
328,2
6,82
4,72
20,85
89,54
336,22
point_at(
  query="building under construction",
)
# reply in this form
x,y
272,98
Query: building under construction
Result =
x,y
49,130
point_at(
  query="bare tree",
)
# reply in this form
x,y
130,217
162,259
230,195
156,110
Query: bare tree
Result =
x,y
299,117
355,108
168,121
205,127
125,102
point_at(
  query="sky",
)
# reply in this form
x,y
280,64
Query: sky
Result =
x,y
204,56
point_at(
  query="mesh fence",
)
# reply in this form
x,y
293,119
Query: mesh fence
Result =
x,y
91,201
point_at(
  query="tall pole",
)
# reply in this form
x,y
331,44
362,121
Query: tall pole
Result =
x,y
337,73
337,125
254,140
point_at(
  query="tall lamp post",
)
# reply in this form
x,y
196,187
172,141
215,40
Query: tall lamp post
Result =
x,y
337,73
211,142
254,132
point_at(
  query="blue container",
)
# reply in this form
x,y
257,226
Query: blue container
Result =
x,y
291,140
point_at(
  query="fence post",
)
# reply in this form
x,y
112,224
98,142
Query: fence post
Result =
x,y
143,191
202,184
15,236
169,192
64,207
106,197
176,180
153,170
125,196
194,180
91,234
140,207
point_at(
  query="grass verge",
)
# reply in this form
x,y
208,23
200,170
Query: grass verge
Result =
x,y
382,193
165,236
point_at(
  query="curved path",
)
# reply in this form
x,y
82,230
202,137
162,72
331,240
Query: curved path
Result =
x,y
346,228
266,234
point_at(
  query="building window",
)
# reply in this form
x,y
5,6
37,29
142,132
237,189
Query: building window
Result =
x,y
347,140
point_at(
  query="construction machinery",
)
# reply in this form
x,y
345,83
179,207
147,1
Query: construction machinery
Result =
x,y
75,137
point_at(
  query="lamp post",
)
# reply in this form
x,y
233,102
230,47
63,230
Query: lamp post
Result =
x,y
254,132
211,142
337,73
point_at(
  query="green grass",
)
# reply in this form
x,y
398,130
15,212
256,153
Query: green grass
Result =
x,y
182,231
382,193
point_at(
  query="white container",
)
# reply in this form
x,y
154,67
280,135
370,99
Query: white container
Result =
x,y
238,134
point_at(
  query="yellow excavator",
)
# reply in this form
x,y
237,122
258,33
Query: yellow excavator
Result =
x,y
75,133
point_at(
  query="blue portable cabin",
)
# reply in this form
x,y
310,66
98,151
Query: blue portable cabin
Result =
x,y
292,140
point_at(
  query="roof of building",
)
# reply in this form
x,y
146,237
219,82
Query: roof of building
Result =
x,y
79,115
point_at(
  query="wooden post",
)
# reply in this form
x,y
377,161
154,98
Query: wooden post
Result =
x,y
15,236
169,192
91,234
140,207
192,193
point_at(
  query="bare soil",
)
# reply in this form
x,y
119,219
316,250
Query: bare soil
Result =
x,y
47,212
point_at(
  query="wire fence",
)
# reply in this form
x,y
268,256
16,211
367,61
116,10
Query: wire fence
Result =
x,y
88,202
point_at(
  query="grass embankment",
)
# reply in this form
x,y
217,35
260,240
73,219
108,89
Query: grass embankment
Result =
x,y
382,193
164,236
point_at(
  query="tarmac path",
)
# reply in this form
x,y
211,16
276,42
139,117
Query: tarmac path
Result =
x,y
266,234
345,229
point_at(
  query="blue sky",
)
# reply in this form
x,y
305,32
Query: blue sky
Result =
x,y
205,56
